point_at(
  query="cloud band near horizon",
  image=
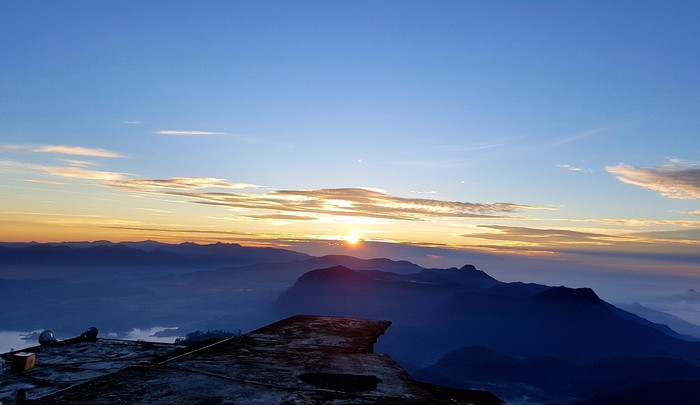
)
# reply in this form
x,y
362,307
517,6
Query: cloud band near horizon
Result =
x,y
353,202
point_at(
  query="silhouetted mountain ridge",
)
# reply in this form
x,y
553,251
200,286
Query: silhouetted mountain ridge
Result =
x,y
569,296
394,266
662,327
510,336
100,255
335,274
688,330
147,253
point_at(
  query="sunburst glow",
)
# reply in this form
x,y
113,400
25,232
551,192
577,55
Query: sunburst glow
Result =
x,y
352,238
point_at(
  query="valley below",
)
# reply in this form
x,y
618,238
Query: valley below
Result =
x,y
527,343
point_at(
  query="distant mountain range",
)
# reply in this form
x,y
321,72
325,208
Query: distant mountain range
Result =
x,y
146,254
679,325
548,344
458,326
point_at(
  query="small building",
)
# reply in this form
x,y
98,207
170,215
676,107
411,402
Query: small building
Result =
x,y
298,360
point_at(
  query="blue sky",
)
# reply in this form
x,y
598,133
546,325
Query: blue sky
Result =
x,y
528,127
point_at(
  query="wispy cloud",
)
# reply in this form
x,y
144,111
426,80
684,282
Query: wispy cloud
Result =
x,y
576,136
62,150
77,150
79,163
171,132
70,220
635,222
283,217
155,211
90,222
691,235
516,235
570,168
480,146
12,148
43,181
49,214
65,171
351,202
179,183
80,173
552,241
677,179
638,222
77,170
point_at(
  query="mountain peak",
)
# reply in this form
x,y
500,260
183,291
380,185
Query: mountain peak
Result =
x,y
569,295
335,274
468,267
383,264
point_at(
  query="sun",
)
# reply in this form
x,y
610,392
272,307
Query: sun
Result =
x,y
352,238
